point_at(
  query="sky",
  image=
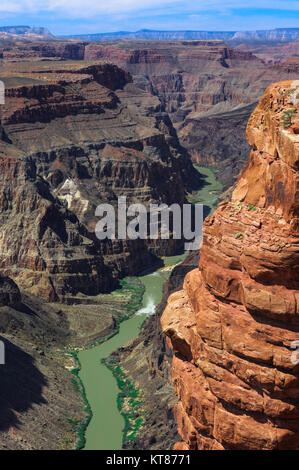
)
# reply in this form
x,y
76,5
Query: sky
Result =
x,y
96,16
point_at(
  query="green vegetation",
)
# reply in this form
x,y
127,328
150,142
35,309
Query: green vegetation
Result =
x,y
287,117
238,205
129,402
239,235
251,207
78,384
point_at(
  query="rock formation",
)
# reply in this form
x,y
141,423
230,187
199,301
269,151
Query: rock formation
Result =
x,y
57,50
75,135
24,33
233,325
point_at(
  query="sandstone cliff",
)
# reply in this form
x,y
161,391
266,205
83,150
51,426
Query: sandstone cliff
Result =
x,y
233,324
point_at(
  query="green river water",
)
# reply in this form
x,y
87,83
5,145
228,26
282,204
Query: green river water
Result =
x,y
105,430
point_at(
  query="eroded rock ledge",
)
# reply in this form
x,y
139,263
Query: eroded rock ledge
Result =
x,y
232,326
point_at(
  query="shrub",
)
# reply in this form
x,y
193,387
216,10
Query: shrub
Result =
x,y
287,117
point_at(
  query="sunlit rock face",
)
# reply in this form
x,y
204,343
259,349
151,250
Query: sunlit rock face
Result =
x,y
233,326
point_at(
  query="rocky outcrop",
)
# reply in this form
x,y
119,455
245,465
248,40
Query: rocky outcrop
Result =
x,y
75,135
291,65
233,325
39,406
217,140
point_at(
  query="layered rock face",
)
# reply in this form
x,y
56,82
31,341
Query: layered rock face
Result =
x,y
203,85
233,325
272,53
75,135
53,49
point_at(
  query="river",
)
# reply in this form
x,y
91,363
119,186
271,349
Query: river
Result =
x,y
104,431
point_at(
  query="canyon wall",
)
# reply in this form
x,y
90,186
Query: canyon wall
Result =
x,y
208,89
272,53
203,85
233,325
75,135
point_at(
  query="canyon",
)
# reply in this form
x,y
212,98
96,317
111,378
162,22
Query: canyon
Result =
x,y
232,326
75,135
208,89
85,122
204,85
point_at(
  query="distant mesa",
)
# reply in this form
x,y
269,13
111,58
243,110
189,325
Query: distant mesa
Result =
x,y
25,31
283,35
278,35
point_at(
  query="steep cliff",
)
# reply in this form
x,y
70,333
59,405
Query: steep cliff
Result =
x,y
74,135
233,324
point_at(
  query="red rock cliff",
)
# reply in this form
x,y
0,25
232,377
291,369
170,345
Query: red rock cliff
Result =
x,y
233,325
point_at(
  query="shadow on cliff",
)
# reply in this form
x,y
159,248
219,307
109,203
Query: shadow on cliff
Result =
x,y
21,385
